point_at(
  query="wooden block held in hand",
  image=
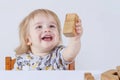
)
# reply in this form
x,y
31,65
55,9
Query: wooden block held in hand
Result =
x,y
71,17
110,75
70,24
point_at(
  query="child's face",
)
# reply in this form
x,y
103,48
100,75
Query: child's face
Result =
x,y
43,33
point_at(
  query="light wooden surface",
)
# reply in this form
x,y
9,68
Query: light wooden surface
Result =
x,y
70,24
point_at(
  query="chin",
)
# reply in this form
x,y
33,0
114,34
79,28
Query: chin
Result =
x,y
47,46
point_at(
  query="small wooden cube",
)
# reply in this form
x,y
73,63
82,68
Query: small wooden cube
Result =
x,y
72,66
88,76
110,75
7,63
70,24
71,17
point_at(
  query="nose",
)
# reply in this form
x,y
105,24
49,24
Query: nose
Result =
x,y
47,29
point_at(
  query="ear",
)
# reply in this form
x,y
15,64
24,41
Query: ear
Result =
x,y
28,41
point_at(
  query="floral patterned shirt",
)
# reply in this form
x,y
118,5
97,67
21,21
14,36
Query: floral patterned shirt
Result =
x,y
52,61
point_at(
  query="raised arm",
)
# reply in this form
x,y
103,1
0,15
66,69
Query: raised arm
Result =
x,y
74,45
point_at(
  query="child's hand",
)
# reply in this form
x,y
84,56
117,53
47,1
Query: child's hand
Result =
x,y
79,31
74,44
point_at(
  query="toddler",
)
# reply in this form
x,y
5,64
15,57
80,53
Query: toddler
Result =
x,y
40,43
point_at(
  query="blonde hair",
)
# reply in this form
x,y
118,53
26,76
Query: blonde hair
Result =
x,y
24,25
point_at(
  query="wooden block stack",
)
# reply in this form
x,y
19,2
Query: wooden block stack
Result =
x,y
70,24
71,66
9,63
88,76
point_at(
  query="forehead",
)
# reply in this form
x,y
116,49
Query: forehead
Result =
x,y
40,18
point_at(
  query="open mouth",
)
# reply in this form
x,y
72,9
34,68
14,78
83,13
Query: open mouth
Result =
x,y
47,38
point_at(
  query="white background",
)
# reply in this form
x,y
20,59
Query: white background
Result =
x,y
101,22
46,75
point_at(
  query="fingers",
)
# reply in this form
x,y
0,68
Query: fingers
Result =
x,y
79,23
79,28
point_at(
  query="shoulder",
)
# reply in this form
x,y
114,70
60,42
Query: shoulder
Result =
x,y
60,47
58,50
23,56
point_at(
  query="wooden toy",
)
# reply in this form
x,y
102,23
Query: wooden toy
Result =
x,y
71,66
88,76
70,24
110,75
9,63
118,71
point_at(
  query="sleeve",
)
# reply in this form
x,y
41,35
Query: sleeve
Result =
x,y
60,59
19,63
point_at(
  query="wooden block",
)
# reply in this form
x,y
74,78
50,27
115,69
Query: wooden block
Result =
x,y
88,76
72,66
7,63
70,24
12,63
69,29
8,68
110,75
118,71
71,17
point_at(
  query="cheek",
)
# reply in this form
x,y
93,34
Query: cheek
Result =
x,y
57,36
33,37
35,34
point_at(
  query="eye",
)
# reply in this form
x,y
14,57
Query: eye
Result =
x,y
38,27
52,26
